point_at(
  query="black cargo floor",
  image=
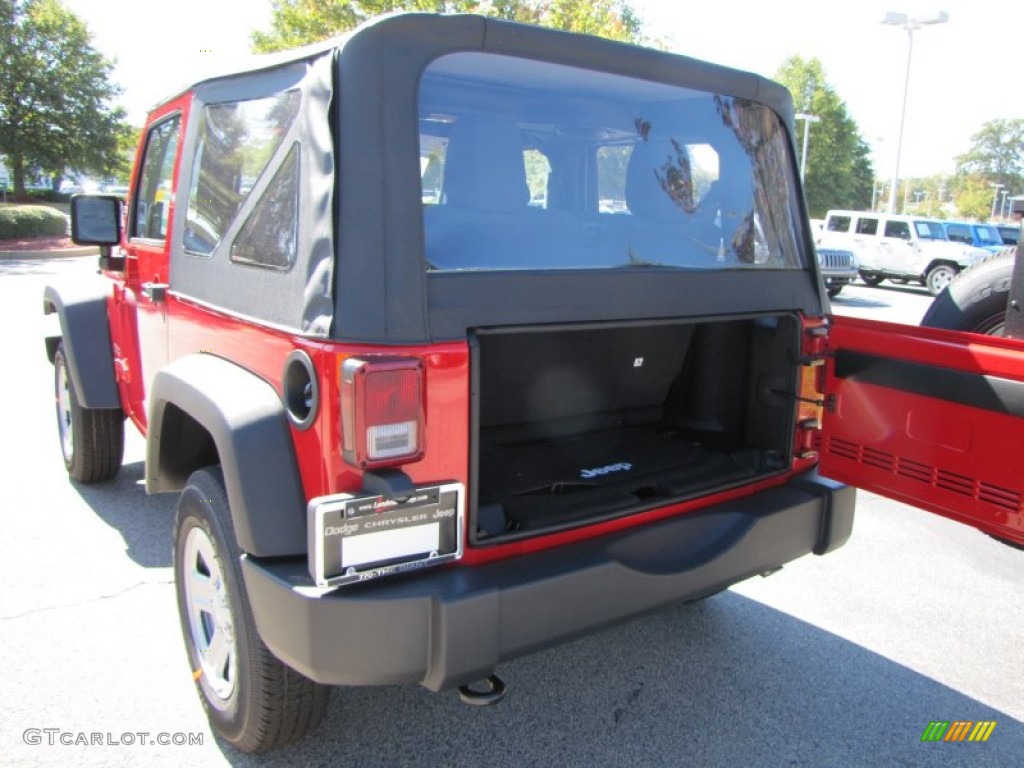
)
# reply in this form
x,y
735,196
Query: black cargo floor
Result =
x,y
554,482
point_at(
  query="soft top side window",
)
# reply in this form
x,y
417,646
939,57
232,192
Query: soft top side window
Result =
x,y
236,141
270,236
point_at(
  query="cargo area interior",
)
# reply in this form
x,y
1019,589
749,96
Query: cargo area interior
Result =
x,y
575,424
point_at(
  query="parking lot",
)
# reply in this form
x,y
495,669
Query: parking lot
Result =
x,y
840,660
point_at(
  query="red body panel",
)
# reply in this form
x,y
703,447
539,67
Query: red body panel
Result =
x,y
318,450
957,460
263,351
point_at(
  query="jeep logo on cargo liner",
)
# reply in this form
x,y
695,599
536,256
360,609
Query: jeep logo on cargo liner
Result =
x,y
622,466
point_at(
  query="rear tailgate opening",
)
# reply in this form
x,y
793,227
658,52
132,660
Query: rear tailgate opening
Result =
x,y
576,424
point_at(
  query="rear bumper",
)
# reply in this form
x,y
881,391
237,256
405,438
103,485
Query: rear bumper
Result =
x,y
450,626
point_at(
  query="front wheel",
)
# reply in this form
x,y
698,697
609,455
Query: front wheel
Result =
x,y
938,277
872,280
91,439
834,290
252,699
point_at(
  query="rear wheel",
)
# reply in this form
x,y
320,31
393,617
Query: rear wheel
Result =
x,y
938,277
91,439
253,700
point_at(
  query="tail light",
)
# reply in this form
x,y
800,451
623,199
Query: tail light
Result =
x,y
381,411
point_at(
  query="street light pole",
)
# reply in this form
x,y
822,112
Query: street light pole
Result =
x,y
808,119
909,23
995,199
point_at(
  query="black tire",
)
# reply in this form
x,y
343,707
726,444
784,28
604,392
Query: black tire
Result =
x,y
91,439
252,700
976,299
872,280
939,277
834,290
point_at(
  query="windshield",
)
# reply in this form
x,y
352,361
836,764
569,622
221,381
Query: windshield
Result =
x,y
988,235
532,165
929,230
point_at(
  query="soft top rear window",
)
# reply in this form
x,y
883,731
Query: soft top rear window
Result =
x,y
534,165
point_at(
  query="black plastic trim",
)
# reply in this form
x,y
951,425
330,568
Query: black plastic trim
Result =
x,y
85,330
459,301
990,393
837,510
247,422
300,363
450,626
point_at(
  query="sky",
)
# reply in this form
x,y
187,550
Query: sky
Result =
x,y
962,72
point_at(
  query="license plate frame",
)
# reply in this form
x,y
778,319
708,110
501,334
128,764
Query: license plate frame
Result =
x,y
360,537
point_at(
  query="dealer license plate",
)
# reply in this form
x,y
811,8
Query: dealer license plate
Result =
x,y
360,537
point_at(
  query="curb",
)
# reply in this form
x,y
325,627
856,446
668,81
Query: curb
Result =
x,y
86,250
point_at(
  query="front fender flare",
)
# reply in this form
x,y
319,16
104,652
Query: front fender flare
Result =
x,y
247,423
85,330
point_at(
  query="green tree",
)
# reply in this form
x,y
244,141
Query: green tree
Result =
x,y
839,172
55,94
973,195
299,22
997,151
996,156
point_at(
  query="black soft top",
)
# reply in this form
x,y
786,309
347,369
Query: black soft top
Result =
x,y
381,291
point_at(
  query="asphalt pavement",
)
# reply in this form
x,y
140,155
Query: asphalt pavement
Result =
x,y
841,660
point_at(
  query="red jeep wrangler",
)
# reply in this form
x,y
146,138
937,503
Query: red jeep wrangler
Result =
x,y
461,338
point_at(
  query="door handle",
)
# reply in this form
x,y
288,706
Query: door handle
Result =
x,y
155,292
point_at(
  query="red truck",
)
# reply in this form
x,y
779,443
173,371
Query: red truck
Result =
x,y
460,338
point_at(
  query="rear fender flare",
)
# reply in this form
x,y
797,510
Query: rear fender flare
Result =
x,y
246,421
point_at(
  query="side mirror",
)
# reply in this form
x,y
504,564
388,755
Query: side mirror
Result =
x,y
96,219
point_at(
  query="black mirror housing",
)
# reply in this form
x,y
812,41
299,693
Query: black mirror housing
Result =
x,y
96,219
